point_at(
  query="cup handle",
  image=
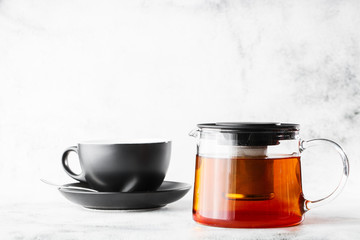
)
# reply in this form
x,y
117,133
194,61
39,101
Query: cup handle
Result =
x,y
345,171
80,177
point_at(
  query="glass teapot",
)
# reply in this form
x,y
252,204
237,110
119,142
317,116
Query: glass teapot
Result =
x,y
248,175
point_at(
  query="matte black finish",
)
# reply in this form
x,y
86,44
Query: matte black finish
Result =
x,y
123,167
167,193
251,133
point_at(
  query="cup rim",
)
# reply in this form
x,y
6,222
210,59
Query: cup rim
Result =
x,y
125,141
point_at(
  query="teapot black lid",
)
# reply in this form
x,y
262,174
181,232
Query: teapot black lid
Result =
x,y
253,133
252,126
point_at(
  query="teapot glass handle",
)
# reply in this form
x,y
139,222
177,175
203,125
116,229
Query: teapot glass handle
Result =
x,y
345,172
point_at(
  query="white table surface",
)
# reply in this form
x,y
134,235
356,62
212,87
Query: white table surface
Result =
x,y
63,220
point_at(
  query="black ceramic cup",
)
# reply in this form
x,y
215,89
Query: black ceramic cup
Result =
x,y
123,166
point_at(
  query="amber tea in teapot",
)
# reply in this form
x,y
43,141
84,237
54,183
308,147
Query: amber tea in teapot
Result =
x,y
249,175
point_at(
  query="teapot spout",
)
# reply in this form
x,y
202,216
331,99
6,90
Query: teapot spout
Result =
x,y
194,133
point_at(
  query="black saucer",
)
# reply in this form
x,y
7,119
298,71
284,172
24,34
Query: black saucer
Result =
x,y
167,193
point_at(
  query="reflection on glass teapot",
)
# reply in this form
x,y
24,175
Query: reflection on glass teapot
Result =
x,y
249,175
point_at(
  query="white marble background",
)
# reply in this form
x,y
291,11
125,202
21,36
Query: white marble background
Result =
x,y
73,70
